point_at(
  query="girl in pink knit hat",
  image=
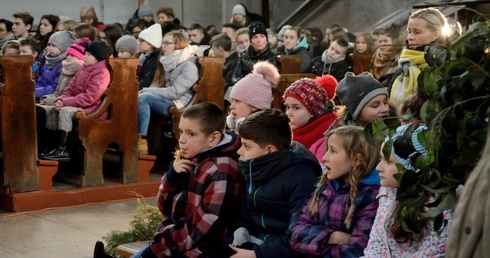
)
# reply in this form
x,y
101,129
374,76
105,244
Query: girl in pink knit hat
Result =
x,y
309,105
252,93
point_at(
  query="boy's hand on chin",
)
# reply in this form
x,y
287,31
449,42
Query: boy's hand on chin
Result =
x,y
181,165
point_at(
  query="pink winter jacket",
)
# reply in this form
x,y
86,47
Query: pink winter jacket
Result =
x,y
87,87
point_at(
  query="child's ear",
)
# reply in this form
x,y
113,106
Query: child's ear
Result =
x,y
271,148
358,158
214,139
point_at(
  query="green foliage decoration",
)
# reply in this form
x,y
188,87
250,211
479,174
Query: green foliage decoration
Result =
x,y
456,90
142,227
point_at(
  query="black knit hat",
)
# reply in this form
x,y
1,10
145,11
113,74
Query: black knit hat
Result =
x,y
256,28
99,49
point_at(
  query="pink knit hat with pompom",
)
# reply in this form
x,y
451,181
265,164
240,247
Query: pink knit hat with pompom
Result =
x,y
313,94
255,89
78,49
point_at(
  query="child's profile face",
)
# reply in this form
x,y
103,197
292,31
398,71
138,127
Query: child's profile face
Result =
x,y
361,45
377,107
385,43
121,53
251,150
53,50
336,159
192,139
9,51
89,59
297,113
45,27
240,109
387,168
27,50
419,33
335,52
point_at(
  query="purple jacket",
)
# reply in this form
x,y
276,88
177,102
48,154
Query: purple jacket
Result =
x,y
309,234
47,82
86,88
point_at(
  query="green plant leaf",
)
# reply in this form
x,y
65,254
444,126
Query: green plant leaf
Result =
x,y
447,203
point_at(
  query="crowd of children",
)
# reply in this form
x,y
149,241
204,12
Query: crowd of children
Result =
x,y
253,181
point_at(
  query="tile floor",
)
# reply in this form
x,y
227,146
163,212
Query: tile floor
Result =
x,y
62,232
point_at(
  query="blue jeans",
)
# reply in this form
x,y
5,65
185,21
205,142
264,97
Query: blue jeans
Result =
x,y
149,103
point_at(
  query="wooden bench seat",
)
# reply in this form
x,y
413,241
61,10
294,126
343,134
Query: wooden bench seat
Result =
x,y
129,249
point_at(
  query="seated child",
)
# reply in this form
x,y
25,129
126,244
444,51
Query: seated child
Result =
x,y
126,46
252,93
11,48
57,45
387,238
201,191
309,105
337,219
150,43
364,97
84,93
73,62
280,175
33,47
332,61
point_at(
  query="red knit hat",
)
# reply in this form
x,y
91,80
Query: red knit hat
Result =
x,y
313,94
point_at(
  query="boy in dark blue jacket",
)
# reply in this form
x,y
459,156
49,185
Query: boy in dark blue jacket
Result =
x,y
280,176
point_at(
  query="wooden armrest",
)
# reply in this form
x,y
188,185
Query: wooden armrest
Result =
x,y
129,249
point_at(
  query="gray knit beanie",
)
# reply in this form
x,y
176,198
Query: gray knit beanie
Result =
x,y
144,10
127,43
356,91
62,40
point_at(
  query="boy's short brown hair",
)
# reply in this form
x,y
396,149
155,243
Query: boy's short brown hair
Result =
x,y
209,116
267,127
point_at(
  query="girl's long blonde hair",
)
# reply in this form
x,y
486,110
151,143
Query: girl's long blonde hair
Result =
x,y
354,143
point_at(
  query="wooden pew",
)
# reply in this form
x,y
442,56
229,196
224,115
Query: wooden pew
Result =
x,y
18,128
121,101
209,88
289,64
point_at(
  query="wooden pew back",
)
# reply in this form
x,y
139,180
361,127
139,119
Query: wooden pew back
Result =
x,y
121,101
18,125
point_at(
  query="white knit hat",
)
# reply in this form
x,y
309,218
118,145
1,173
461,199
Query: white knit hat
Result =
x,y
152,35
238,9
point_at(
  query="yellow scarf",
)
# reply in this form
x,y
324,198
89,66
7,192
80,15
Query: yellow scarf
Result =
x,y
406,83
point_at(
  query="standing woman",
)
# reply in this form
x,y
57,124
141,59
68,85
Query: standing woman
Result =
x,y
179,64
46,28
425,29
296,44
384,62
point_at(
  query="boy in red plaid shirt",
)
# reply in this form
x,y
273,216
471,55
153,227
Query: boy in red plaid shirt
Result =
x,y
199,194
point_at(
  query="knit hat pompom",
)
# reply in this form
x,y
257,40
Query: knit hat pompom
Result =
x,y
255,89
329,83
268,71
312,94
78,49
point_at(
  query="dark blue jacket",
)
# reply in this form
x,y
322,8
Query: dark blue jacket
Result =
x,y
48,81
270,202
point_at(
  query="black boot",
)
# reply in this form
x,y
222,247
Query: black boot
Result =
x,y
48,143
58,154
99,251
